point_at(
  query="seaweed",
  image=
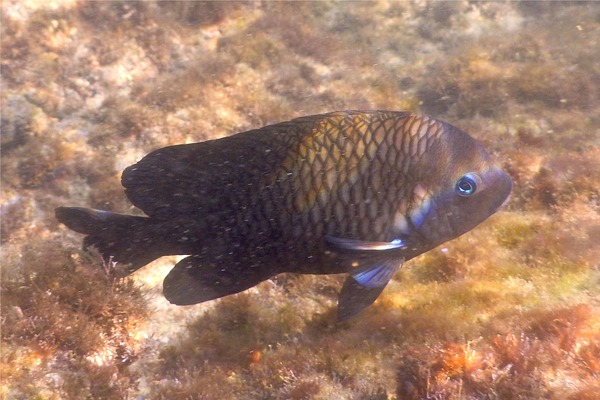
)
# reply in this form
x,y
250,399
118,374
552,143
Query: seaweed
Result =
x,y
71,317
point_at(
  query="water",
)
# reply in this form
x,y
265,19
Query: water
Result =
x,y
509,310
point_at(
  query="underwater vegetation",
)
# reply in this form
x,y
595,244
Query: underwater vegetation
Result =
x,y
89,329
508,311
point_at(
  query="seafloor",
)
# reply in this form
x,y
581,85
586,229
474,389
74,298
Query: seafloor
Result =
x,y
508,311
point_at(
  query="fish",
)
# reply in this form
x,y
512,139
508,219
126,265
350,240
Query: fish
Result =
x,y
347,192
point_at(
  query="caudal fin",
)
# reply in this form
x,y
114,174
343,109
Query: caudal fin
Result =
x,y
131,241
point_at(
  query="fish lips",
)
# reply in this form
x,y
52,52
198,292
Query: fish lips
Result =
x,y
502,187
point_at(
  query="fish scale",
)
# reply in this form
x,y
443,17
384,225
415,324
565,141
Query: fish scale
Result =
x,y
356,192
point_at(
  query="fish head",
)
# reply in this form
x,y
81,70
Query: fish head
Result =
x,y
457,187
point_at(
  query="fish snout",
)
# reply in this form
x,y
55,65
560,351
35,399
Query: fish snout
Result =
x,y
500,188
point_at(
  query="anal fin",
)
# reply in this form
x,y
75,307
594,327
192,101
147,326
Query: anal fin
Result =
x,y
197,279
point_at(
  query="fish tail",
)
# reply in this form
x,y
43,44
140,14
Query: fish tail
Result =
x,y
128,240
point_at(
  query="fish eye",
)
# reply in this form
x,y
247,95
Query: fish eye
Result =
x,y
466,186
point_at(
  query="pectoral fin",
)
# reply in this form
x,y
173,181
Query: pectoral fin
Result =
x,y
362,245
364,285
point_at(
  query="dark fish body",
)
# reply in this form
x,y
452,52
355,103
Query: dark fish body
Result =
x,y
356,192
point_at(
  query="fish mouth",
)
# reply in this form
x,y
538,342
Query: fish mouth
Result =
x,y
497,193
505,202
504,184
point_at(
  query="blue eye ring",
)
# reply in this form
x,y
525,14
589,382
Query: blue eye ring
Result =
x,y
466,186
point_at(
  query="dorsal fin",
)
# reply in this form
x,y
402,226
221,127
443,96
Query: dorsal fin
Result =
x,y
196,179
